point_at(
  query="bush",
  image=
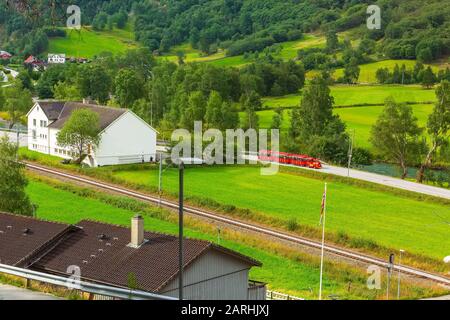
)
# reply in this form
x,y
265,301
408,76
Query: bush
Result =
x,y
292,224
362,156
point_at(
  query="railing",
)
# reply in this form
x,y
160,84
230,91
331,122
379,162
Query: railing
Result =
x,y
82,286
273,295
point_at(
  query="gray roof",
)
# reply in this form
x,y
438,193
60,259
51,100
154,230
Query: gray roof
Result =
x,y
107,115
52,109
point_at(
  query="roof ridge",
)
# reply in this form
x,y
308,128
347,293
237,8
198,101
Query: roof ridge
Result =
x,y
96,105
154,232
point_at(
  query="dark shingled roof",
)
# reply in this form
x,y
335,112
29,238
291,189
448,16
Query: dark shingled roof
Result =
x,y
107,115
22,238
110,260
52,109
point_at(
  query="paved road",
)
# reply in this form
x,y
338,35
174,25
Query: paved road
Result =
x,y
13,293
380,179
439,298
388,181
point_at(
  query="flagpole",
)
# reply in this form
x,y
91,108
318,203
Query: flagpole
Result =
x,y
323,242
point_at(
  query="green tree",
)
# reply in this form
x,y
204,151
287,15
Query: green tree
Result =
x,y
213,115
438,126
428,78
94,81
332,40
80,133
195,110
251,104
396,134
17,103
66,92
314,129
351,71
277,119
129,87
13,182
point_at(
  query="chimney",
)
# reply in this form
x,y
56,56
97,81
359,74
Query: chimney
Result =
x,y
137,231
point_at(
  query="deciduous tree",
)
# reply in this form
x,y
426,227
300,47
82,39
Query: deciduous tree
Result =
x,y
80,132
396,134
12,181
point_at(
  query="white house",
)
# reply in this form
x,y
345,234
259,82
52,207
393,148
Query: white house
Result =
x,y
56,58
124,137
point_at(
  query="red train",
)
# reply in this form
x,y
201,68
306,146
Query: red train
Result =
x,y
290,158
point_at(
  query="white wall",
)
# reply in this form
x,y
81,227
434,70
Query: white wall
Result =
x,y
41,142
128,140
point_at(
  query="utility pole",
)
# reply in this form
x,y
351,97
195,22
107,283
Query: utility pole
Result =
x,y
399,273
160,178
350,153
390,267
180,221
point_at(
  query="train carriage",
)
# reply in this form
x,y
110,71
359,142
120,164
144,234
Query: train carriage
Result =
x,y
299,160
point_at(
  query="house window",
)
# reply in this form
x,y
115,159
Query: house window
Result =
x,y
34,134
34,122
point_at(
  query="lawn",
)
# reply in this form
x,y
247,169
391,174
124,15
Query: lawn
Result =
x,y
387,219
89,43
368,71
361,94
282,274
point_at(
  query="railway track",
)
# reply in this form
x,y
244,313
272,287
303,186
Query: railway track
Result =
x,y
245,225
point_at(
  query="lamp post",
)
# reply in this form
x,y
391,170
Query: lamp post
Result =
x,y
399,273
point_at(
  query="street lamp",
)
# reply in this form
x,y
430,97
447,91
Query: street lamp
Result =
x,y
399,273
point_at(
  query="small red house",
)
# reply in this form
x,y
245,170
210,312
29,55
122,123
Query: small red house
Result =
x,y
5,55
34,63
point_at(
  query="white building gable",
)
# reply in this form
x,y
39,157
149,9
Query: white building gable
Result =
x,y
56,58
127,139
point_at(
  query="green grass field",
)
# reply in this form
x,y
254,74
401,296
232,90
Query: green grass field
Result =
x,y
288,51
361,94
387,219
281,273
368,71
360,119
89,43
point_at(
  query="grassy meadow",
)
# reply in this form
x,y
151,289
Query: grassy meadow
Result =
x,y
345,95
378,216
368,71
88,43
288,51
358,119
